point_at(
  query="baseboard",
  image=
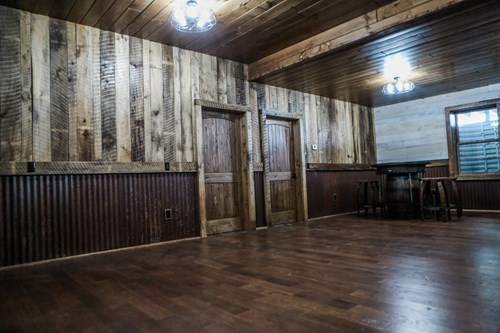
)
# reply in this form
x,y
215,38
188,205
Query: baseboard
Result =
x,y
83,255
329,216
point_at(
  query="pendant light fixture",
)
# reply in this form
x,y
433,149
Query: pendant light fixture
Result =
x,y
398,71
398,86
191,16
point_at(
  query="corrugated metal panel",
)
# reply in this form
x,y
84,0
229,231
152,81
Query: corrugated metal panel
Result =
x,y
437,171
45,217
483,195
475,194
322,185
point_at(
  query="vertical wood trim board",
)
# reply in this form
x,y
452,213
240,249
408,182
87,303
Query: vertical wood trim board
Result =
x,y
265,156
11,111
41,87
136,90
198,139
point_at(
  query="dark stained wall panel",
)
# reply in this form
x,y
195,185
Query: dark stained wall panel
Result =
x,y
322,185
46,217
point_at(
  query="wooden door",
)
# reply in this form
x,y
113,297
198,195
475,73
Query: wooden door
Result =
x,y
222,185
281,171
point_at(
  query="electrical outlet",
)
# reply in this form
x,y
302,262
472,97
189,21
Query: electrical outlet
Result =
x,y
334,196
168,214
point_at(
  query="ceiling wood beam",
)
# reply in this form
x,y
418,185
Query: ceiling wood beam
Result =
x,y
373,22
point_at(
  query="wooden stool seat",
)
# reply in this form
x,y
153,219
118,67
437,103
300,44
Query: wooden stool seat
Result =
x,y
438,196
369,196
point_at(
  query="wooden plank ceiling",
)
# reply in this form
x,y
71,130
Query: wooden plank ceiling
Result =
x,y
450,49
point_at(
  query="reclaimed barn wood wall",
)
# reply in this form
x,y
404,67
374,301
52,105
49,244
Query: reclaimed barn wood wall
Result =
x,y
75,93
342,132
80,101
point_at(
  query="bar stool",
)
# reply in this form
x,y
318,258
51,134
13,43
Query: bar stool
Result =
x,y
369,196
439,196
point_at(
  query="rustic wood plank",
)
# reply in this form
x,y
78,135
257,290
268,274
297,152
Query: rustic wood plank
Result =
x,y
265,155
26,103
137,99
123,135
79,10
84,97
177,103
198,137
129,15
40,44
247,172
282,115
156,118
231,82
43,7
93,167
222,65
154,9
26,5
208,73
95,12
343,34
223,225
168,103
186,107
255,127
62,9
72,92
11,107
242,87
147,99
300,170
59,103
108,96
96,94
112,14
232,108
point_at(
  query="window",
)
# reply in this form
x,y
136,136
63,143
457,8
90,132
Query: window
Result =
x,y
473,140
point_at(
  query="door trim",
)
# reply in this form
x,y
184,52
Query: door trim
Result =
x,y
299,160
245,172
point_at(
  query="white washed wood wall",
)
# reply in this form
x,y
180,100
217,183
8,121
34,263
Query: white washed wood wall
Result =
x,y
416,130
74,93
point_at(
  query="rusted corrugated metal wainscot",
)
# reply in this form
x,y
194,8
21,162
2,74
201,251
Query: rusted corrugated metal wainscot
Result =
x,y
54,216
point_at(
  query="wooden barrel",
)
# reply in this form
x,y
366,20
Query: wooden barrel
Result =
x,y
402,195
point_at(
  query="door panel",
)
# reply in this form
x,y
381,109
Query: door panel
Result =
x,y
220,154
281,171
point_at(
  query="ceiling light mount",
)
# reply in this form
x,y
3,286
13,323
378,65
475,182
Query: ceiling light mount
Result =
x,y
193,17
398,86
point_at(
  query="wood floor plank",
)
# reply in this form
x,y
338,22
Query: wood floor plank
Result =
x,y
343,274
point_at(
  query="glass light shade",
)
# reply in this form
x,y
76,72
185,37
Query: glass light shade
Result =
x,y
192,17
398,86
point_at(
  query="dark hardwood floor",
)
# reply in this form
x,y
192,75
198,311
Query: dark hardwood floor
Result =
x,y
345,274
